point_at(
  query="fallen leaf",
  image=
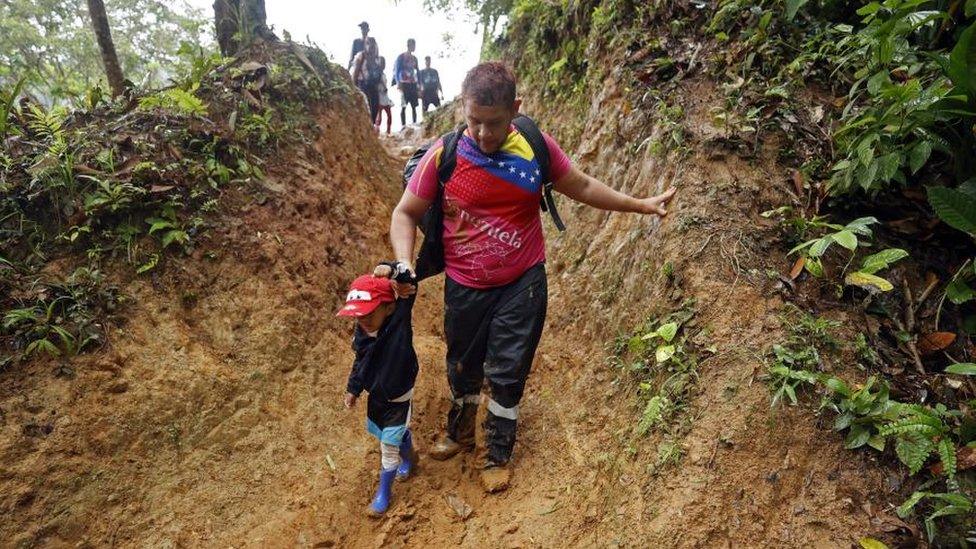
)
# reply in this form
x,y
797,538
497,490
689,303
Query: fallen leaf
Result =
x,y
935,341
160,188
869,282
249,97
798,182
460,507
127,166
797,267
871,543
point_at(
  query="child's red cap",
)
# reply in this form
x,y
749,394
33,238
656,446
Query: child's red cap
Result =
x,y
365,295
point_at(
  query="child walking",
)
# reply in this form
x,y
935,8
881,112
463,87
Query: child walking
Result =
x,y
385,103
386,367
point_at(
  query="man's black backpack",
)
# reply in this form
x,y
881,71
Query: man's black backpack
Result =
x,y
430,260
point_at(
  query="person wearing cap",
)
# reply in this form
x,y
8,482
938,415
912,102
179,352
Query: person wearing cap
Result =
x,y
386,367
358,44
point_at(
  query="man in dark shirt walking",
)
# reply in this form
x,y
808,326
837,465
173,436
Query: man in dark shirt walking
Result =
x,y
405,78
358,44
430,86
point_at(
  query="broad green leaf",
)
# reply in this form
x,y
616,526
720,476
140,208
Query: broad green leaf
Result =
x,y
846,239
906,508
879,79
793,6
156,224
842,422
858,437
868,281
790,392
962,368
877,442
42,345
919,155
668,331
837,385
860,225
814,267
968,187
962,61
888,166
970,8
664,353
882,260
820,246
959,292
955,208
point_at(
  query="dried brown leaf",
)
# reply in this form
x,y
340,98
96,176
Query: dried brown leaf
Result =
x,y
935,341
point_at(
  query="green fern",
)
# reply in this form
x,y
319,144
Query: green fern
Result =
x,y
913,451
947,453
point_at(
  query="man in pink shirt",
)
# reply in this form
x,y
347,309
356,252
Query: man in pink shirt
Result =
x,y
494,253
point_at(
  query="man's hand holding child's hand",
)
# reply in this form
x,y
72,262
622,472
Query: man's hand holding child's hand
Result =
x,y
401,289
350,400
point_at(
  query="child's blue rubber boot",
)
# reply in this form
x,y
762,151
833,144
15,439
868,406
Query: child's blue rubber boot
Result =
x,y
408,456
381,502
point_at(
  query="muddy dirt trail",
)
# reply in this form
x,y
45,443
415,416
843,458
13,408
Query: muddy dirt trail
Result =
x,y
215,419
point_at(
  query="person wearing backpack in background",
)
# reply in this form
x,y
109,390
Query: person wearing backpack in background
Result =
x,y
430,86
358,44
385,103
479,190
405,79
366,73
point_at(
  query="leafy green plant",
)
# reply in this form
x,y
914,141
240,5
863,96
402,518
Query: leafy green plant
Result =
x,y
177,100
845,236
865,277
784,379
943,505
659,354
860,410
7,101
169,226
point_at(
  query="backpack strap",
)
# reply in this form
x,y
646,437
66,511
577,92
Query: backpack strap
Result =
x,y
450,142
530,131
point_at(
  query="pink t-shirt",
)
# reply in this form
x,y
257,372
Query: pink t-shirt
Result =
x,y
492,223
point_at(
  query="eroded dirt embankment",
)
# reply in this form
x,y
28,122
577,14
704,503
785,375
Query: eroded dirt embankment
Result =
x,y
215,417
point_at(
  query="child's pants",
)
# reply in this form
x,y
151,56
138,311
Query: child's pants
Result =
x,y
387,420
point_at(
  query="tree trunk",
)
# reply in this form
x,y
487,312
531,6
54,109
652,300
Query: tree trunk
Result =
x,y
240,22
99,19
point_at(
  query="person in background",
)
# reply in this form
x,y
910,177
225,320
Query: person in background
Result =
x,y
366,73
385,103
431,92
358,44
405,79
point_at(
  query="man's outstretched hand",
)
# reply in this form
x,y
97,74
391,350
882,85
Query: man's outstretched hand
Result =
x,y
657,205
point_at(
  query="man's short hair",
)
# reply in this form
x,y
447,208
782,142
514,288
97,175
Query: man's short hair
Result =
x,y
411,41
426,58
490,84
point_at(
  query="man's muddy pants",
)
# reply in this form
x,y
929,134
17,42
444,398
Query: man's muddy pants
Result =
x,y
493,334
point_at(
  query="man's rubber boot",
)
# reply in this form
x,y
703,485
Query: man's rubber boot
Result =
x,y
408,456
448,447
496,477
381,502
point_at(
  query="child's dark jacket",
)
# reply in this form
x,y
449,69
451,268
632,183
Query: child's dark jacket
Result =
x,y
386,365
